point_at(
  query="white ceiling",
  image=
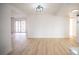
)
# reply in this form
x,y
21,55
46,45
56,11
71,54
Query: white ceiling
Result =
x,y
50,8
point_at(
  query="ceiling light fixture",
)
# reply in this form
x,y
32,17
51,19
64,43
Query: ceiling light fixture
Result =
x,y
39,8
74,11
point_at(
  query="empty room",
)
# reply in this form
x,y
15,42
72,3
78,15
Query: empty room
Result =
x,y
39,28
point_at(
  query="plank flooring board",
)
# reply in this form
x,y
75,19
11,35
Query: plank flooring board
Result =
x,y
46,46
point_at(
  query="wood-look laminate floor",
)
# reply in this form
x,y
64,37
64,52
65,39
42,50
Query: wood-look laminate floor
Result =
x,y
42,46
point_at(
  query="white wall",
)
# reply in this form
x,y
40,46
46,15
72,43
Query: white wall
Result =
x,y
16,14
73,24
5,29
72,27
47,26
6,12
77,28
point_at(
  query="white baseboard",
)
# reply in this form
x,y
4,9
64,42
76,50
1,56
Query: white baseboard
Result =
x,y
47,37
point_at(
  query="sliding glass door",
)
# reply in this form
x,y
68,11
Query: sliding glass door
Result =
x,y
20,26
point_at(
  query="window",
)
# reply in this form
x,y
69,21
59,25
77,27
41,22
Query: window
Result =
x,y
20,26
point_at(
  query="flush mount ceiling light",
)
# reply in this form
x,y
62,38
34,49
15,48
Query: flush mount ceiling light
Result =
x,y
74,11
